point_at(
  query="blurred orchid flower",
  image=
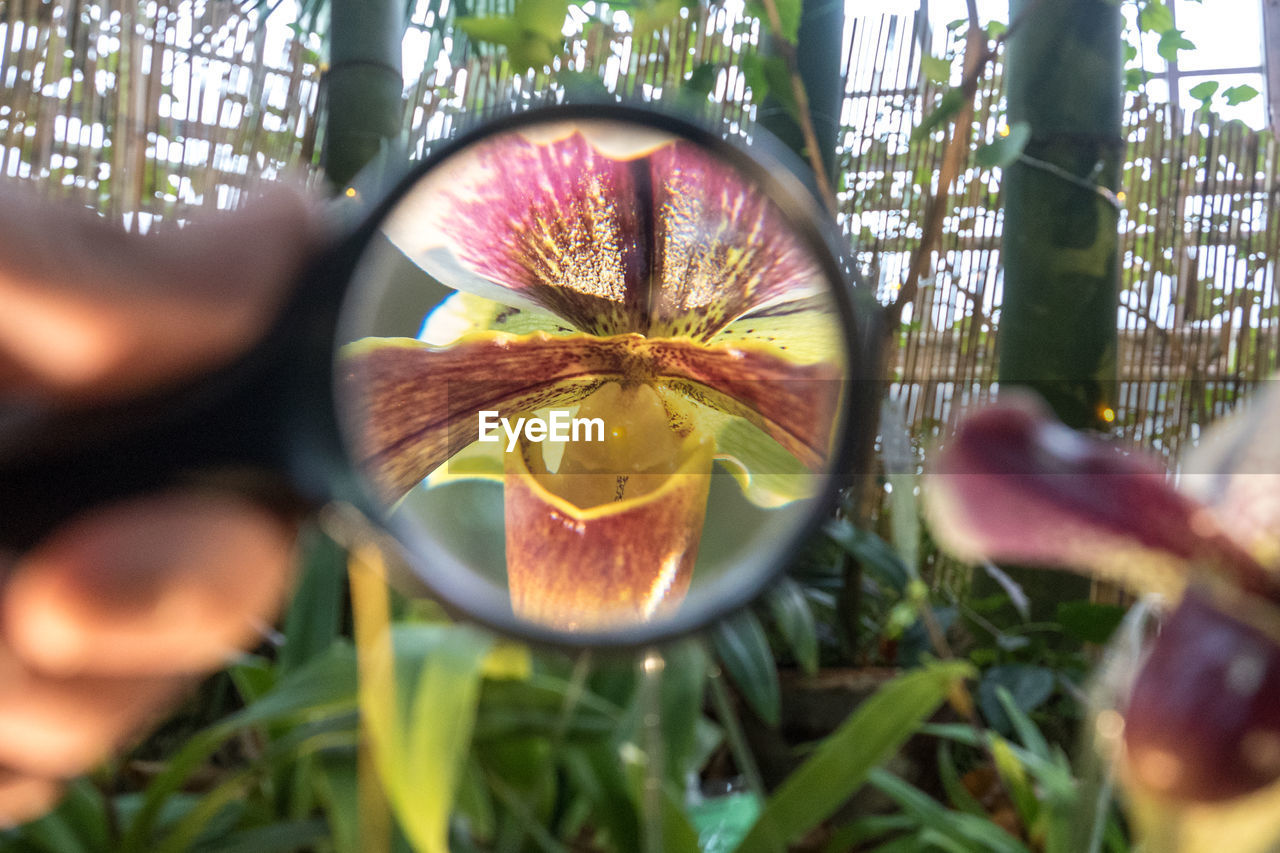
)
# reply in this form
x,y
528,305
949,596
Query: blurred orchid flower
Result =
x,y
1202,721
632,278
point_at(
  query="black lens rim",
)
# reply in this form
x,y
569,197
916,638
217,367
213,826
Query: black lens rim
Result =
x,y
777,171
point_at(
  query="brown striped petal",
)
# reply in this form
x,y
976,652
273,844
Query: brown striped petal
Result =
x,y
412,406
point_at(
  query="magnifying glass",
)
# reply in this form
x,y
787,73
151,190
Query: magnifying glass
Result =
x,y
591,368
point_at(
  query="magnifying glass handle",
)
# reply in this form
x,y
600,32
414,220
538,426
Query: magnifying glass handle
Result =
x,y
262,425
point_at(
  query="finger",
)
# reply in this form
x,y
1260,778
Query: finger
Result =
x,y
24,797
92,312
169,583
61,727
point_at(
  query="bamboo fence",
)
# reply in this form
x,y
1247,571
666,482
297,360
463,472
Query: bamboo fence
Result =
x,y
149,110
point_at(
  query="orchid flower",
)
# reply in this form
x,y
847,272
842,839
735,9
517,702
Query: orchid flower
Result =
x,y
1202,722
633,278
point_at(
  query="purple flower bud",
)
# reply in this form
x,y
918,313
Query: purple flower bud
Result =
x,y
1203,720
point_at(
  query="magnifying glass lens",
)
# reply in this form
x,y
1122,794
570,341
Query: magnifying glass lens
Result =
x,y
592,374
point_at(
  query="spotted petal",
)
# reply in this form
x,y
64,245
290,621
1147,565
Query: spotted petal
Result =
x,y
667,242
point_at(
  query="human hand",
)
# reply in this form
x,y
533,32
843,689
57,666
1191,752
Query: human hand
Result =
x,y
106,622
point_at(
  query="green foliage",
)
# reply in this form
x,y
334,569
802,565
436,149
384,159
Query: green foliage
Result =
x,y
1088,621
1240,94
842,763
946,109
770,76
1003,151
1171,41
788,15
1155,17
1204,92
531,34
743,649
936,69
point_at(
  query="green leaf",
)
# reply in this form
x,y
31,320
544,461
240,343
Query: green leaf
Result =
x,y
743,649
1090,622
841,764
872,552
996,29
952,784
1003,151
678,832
1135,77
315,614
1155,18
336,784
680,698
1026,730
1172,41
1203,92
653,17
532,52
596,770
284,837
794,617
936,68
494,29
900,472
536,706
1015,779
544,18
702,80
753,75
1240,94
945,829
582,85
948,106
421,777
768,475
1030,686
722,822
788,16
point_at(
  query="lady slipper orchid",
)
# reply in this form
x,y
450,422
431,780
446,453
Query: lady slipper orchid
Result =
x,y
634,279
1202,719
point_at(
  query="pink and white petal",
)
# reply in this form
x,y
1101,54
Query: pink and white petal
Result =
x,y
554,224
1235,471
1015,485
